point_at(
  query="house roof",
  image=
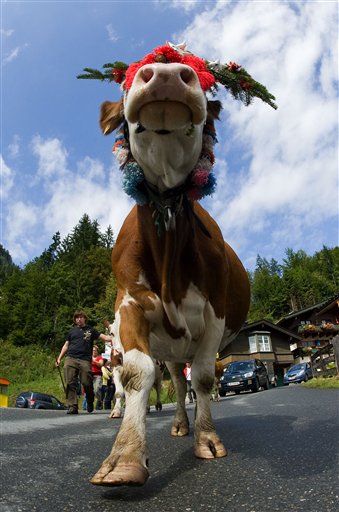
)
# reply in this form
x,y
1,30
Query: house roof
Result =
x,y
321,306
329,306
260,325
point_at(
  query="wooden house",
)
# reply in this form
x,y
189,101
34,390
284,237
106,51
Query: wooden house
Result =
x,y
265,341
316,325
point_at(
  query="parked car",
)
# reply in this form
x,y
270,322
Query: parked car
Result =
x,y
244,376
33,400
300,372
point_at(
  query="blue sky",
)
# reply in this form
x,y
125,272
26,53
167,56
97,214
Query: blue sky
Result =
x,y
277,171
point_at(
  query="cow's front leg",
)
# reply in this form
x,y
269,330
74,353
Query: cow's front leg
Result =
x,y
180,425
207,442
127,462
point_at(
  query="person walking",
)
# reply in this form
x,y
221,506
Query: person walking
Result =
x,y
190,391
97,364
108,387
78,349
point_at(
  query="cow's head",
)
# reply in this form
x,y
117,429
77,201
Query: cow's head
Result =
x,y
165,123
166,111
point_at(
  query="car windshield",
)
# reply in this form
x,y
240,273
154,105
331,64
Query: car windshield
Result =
x,y
296,368
241,366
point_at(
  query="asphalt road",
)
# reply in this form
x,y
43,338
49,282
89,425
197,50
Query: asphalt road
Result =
x,y
283,456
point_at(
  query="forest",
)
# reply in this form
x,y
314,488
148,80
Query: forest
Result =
x,y
38,300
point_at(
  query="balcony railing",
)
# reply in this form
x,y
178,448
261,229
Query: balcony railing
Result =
x,y
325,328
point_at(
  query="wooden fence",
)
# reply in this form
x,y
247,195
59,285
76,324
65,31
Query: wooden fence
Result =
x,y
320,360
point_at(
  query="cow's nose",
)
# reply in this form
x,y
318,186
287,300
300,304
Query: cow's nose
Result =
x,y
173,74
165,73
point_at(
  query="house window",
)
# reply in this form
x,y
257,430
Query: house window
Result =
x,y
259,342
264,343
253,344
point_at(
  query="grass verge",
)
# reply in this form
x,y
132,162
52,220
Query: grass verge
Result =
x,y
323,382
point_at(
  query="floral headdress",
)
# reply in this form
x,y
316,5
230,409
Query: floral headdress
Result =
x,y
234,78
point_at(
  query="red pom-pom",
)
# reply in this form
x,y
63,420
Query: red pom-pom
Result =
x,y
200,177
206,79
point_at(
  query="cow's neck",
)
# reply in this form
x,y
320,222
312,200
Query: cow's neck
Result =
x,y
166,160
169,252
170,203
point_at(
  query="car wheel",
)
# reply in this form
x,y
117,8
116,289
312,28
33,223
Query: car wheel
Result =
x,y
222,393
255,387
21,402
306,378
237,392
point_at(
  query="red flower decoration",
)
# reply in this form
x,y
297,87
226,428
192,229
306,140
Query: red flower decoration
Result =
x,y
118,75
232,66
206,78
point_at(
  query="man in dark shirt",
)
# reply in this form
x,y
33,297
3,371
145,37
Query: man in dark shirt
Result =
x,y
78,350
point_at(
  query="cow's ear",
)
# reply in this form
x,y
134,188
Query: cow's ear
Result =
x,y
111,116
214,108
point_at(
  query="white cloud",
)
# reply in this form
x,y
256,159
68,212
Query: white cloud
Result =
x,y
14,54
78,194
71,192
7,179
14,147
112,33
289,182
90,169
6,33
186,5
52,157
21,220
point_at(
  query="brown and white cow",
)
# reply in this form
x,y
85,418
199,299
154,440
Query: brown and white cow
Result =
x,y
183,294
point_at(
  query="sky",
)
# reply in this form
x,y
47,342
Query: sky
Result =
x,y
277,171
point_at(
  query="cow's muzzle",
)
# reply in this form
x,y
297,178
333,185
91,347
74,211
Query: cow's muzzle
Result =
x,y
170,84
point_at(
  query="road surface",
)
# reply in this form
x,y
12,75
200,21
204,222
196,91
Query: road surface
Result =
x,y
283,456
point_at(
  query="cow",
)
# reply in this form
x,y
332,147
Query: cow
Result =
x,y
182,292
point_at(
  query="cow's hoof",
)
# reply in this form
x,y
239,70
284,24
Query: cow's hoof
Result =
x,y
210,448
122,474
158,406
115,414
179,430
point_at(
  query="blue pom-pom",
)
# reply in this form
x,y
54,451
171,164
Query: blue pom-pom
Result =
x,y
133,177
210,186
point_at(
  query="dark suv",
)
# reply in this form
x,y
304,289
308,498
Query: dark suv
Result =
x,y
244,376
32,400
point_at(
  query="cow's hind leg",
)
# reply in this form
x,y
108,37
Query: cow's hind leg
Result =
x,y
207,442
180,425
127,462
